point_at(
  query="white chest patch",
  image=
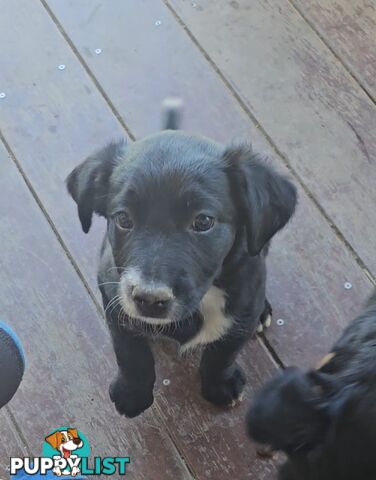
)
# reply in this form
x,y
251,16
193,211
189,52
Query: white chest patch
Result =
x,y
215,321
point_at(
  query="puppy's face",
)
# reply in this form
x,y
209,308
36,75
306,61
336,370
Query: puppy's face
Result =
x,y
174,204
72,441
287,413
65,441
171,223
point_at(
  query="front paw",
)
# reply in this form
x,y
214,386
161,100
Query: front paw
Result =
x,y
129,400
75,471
227,389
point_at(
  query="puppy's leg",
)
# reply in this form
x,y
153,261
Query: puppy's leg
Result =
x,y
222,380
132,389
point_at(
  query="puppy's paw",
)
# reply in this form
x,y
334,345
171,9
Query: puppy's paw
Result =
x,y
130,401
227,390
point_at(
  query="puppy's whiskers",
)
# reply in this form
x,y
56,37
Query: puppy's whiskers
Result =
x,y
113,303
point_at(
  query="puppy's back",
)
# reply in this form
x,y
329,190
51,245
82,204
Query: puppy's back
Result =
x,y
354,353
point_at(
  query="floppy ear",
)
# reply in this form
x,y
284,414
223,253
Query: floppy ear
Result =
x,y
266,198
74,432
88,183
53,439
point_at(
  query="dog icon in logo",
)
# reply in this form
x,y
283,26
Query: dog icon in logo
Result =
x,y
65,442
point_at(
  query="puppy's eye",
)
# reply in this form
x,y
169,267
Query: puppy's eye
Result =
x,y
123,220
202,223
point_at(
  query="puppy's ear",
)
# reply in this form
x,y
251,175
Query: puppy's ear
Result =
x,y
266,199
73,432
53,439
88,183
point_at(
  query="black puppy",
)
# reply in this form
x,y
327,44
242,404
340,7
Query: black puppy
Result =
x,y
188,226
325,420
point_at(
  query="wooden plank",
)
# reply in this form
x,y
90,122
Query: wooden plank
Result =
x,y
64,97
69,356
316,114
348,26
307,273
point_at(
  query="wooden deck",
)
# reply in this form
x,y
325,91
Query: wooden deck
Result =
x,y
298,78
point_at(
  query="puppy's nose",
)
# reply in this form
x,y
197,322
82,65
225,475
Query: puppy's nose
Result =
x,y
153,303
76,441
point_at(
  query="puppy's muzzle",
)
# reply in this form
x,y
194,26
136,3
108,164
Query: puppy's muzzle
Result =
x,y
152,302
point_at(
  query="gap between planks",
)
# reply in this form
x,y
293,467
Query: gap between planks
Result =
x,y
18,429
50,221
341,60
87,69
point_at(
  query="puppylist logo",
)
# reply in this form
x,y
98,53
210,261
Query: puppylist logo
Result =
x,y
66,453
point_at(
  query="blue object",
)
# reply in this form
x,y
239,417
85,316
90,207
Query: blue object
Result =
x,y
12,363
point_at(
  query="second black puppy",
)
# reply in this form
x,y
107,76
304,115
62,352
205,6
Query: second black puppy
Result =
x,y
188,226
325,420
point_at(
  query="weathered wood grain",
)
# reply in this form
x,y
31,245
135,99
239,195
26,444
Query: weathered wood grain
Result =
x,y
348,27
11,444
69,356
313,110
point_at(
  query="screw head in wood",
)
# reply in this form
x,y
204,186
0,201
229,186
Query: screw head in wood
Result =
x,y
61,67
98,51
158,23
2,95
347,285
166,382
280,322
